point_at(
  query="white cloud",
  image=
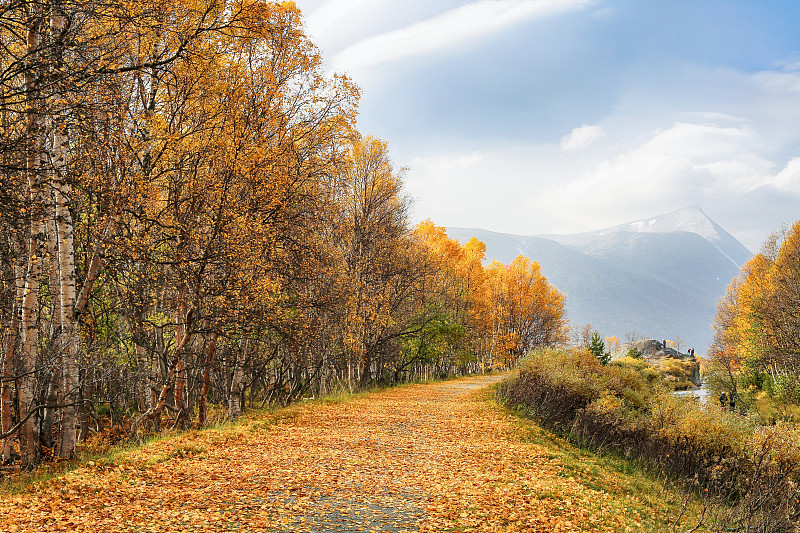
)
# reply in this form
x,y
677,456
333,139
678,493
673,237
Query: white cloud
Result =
x,y
678,166
788,179
581,137
715,118
537,188
448,30
778,82
675,130
336,24
322,14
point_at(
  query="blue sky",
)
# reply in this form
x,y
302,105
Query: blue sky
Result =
x,y
562,116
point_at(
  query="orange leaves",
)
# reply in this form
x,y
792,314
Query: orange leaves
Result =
x,y
526,308
460,275
226,150
428,458
612,343
376,261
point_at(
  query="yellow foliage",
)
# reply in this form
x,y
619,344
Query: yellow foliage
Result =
x,y
758,320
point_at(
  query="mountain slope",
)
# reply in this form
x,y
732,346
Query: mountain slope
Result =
x,y
660,277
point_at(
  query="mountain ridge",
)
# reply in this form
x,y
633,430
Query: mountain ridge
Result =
x,y
660,276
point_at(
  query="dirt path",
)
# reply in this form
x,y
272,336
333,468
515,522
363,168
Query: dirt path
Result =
x,y
417,458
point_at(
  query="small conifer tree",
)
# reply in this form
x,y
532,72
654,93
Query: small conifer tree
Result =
x,y
598,348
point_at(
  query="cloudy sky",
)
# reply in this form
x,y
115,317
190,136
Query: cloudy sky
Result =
x,y
562,116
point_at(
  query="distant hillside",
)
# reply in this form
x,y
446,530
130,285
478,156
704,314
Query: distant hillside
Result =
x,y
661,277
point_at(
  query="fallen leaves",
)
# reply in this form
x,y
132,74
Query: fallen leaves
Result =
x,y
426,458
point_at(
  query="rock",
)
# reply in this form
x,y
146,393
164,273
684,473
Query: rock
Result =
x,y
654,352
650,349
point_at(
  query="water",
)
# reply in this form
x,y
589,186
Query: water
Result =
x,y
702,393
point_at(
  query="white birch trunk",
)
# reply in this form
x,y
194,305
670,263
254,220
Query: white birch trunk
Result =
x,y
68,317
26,384
29,332
67,291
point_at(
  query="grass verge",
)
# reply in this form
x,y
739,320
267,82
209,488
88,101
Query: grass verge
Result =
x,y
652,503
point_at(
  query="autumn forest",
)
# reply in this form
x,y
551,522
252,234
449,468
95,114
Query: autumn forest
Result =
x,y
192,225
199,250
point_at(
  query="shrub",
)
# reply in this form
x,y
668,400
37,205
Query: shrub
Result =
x,y
752,473
555,385
650,374
635,353
785,388
678,373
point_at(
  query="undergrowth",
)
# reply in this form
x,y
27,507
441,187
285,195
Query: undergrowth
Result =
x,y
747,475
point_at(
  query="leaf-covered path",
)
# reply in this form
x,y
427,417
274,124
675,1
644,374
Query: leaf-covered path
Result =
x,y
417,458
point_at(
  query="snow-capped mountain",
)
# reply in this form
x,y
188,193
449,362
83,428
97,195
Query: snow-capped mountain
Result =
x,y
691,220
660,277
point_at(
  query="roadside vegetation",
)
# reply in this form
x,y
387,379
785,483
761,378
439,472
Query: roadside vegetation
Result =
x,y
746,474
654,502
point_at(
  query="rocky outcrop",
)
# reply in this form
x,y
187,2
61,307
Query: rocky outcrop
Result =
x,y
671,362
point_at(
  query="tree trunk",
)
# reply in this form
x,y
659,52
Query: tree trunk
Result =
x,y
323,379
161,401
236,396
53,370
66,260
9,352
95,263
26,384
143,396
201,404
181,329
83,407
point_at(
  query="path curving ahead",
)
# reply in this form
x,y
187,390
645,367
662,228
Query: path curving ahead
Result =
x,y
428,458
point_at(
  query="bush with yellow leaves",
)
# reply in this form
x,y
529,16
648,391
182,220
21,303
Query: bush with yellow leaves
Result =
x,y
748,475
